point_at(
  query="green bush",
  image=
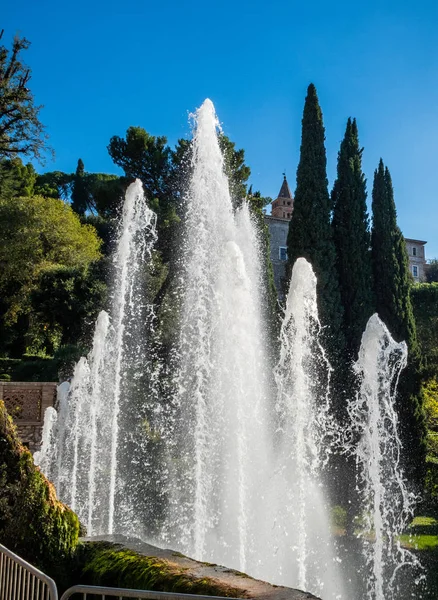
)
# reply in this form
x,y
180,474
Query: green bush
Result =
x,y
7,365
40,369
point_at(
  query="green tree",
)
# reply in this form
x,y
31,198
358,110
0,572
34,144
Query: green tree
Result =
x,y
235,169
432,271
37,234
145,157
390,262
80,196
54,184
424,298
351,236
16,179
310,233
66,301
392,284
21,131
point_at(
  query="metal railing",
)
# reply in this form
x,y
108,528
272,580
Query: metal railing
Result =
x,y
103,592
21,581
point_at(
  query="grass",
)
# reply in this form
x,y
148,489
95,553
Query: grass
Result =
x,y
422,535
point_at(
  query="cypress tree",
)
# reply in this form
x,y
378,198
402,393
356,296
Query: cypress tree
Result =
x,y
351,234
392,291
79,196
310,233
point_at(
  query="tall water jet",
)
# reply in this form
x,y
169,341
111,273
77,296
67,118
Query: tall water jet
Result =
x,y
305,553
92,465
388,505
222,422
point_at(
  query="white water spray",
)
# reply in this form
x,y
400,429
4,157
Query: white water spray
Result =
x,y
223,421
304,549
90,468
387,503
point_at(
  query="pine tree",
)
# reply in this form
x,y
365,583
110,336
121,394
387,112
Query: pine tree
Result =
x,y
80,196
351,236
310,234
391,286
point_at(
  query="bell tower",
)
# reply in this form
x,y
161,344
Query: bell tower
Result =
x,y
283,206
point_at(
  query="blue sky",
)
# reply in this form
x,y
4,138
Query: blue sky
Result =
x,y
100,66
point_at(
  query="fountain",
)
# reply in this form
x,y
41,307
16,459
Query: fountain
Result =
x,y
304,549
387,504
229,466
221,371
89,461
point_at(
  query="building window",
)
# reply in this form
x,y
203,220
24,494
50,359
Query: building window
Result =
x,y
282,253
414,251
415,271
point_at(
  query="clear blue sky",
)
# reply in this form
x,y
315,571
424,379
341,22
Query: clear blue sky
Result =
x,y
100,66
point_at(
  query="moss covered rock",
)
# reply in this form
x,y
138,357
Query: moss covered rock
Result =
x,y
33,523
131,563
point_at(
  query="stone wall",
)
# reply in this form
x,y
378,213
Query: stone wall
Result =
x,y
26,402
417,259
278,230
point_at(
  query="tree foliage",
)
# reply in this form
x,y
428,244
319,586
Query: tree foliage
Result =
x,y
21,131
36,235
16,179
392,284
310,233
67,301
390,262
145,157
80,195
432,271
424,298
352,239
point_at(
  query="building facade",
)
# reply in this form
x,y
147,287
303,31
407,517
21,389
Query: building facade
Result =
x,y
417,259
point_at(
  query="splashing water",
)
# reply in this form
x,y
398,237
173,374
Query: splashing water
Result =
x,y
241,483
388,506
90,466
222,422
305,553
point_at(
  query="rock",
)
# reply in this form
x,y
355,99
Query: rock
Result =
x,y
126,562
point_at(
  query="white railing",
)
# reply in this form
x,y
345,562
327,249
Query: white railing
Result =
x,y
21,581
120,593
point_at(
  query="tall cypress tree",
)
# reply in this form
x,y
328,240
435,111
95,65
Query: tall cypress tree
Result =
x,y
391,286
310,234
351,234
79,196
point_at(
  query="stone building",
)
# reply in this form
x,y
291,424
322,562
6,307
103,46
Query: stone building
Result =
x,y
417,259
278,224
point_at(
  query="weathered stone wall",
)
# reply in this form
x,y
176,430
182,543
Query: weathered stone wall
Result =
x,y
278,230
26,402
417,258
